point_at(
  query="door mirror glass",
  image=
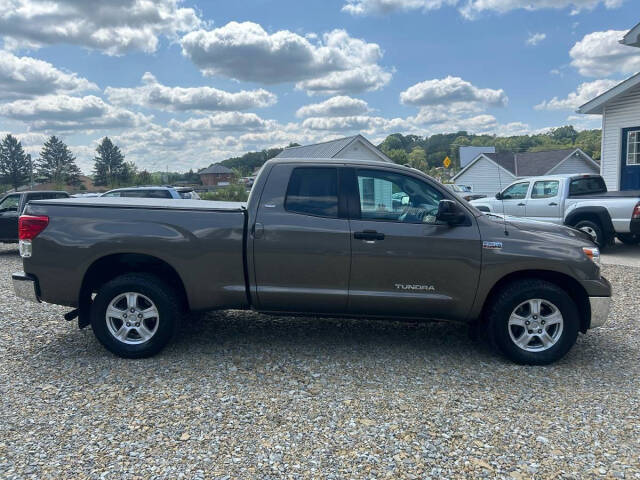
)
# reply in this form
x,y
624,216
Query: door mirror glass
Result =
x,y
450,212
498,196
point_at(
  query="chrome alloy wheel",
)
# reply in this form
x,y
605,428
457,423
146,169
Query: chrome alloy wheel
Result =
x,y
535,325
591,232
132,318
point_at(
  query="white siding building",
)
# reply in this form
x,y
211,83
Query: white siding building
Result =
x,y
489,173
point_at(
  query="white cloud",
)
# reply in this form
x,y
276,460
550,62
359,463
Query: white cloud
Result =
x,y
113,27
63,113
245,51
451,90
368,7
153,94
535,38
599,54
585,92
470,8
225,121
23,77
338,106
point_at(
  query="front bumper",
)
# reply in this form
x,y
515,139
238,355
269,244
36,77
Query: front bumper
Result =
x,y
599,310
25,286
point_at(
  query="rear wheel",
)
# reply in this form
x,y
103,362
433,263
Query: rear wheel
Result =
x,y
594,230
629,238
533,322
134,315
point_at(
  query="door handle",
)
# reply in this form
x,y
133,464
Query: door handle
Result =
x,y
553,204
368,235
258,230
521,204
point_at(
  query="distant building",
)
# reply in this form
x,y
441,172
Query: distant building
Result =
x,y
216,175
620,110
489,173
467,154
356,147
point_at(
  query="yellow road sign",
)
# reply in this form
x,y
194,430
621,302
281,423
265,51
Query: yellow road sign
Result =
x,y
446,162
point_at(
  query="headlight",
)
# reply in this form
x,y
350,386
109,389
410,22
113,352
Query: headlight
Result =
x,y
593,253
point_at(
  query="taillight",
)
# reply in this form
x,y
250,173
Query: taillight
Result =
x,y
29,226
636,211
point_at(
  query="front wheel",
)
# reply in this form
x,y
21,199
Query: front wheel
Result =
x,y
533,322
594,230
134,315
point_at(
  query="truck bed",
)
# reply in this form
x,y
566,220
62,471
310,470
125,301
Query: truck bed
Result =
x,y
132,202
622,194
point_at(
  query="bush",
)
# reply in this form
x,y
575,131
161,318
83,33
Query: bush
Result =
x,y
231,193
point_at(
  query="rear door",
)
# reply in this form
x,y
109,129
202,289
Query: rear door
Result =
x,y
301,245
404,262
9,217
544,202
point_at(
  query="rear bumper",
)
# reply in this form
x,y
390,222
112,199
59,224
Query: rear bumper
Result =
x,y
25,286
599,310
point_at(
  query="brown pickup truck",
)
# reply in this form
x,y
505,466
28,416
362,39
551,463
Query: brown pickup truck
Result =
x,y
322,237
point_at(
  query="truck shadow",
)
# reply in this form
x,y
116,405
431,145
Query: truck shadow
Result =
x,y
9,250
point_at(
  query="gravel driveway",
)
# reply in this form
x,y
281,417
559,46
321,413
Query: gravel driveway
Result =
x,y
242,395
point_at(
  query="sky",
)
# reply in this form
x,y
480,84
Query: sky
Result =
x,y
179,85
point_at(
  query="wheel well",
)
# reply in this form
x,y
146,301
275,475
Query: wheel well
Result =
x,y
569,284
111,266
592,217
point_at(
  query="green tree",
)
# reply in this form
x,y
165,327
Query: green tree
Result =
x,y
418,159
109,167
398,155
144,178
231,193
14,166
57,164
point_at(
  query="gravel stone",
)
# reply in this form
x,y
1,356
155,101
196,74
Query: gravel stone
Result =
x,y
244,395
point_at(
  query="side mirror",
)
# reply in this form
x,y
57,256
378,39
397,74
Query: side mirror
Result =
x,y
498,196
450,212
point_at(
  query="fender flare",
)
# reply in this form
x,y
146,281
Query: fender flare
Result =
x,y
601,214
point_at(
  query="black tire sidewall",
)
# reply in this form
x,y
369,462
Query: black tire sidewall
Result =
x,y
513,297
596,227
149,286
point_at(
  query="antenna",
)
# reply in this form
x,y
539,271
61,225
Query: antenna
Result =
x,y
504,219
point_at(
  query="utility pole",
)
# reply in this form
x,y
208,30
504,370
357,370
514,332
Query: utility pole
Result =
x,y
30,170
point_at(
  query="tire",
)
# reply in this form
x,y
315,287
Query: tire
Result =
x,y
561,332
629,238
594,230
150,330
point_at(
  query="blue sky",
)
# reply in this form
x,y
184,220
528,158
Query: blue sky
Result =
x,y
188,83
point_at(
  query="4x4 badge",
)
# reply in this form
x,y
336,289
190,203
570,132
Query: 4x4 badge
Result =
x,y
492,245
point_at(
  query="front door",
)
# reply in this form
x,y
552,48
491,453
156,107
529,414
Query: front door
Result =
x,y
514,199
404,262
544,202
9,217
630,159
301,244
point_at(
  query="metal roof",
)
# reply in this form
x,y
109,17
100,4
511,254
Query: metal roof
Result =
x,y
318,150
216,168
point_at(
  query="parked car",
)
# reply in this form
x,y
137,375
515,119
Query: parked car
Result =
x,y
462,192
154,192
580,201
12,205
317,236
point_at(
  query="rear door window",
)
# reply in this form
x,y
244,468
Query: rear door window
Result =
x,y
313,191
545,189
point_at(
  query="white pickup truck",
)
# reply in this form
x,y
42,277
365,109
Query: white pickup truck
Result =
x,y
581,201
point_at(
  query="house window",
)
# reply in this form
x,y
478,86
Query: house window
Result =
x,y
633,147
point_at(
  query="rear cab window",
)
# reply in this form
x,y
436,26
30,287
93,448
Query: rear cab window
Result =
x,y
587,186
313,191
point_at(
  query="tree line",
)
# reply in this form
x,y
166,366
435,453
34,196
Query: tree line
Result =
x,y
56,164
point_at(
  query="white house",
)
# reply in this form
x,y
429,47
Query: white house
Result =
x,y
489,173
620,110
